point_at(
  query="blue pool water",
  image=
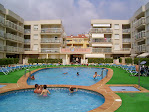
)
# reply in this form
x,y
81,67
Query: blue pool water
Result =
x,y
2,86
56,76
123,88
60,100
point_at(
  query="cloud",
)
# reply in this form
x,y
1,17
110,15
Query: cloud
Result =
x,y
75,14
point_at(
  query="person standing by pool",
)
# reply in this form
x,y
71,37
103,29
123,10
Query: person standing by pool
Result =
x,y
71,90
45,91
95,75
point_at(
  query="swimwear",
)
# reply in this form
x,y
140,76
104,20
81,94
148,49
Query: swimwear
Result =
x,y
45,95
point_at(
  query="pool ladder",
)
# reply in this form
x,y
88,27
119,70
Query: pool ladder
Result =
x,y
26,71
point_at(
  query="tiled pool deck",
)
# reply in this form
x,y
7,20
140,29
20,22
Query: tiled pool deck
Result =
x,y
112,100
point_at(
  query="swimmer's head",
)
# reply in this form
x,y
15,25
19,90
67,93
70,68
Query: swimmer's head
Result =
x,y
36,85
45,86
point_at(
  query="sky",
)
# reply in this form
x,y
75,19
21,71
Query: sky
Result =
x,y
76,15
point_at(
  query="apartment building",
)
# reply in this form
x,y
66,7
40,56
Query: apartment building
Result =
x,y
11,34
43,39
140,31
110,38
76,47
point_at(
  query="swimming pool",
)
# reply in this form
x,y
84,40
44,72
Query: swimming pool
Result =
x,y
123,88
56,76
60,100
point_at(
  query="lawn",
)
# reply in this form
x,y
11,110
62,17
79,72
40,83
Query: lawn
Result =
x,y
134,102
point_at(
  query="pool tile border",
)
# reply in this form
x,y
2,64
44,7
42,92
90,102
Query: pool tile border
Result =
x,y
111,103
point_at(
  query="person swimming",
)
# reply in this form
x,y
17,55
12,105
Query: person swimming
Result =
x,y
36,88
78,74
32,77
71,90
95,75
45,91
65,73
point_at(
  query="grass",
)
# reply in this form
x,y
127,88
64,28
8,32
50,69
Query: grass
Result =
x,y
134,102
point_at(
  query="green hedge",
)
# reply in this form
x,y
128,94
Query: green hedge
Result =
x,y
128,60
7,61
32,60
136,60
100,60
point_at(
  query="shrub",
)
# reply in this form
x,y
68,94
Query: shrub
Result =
x,y
128,60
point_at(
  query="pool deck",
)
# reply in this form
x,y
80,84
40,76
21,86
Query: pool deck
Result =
x,y
112,100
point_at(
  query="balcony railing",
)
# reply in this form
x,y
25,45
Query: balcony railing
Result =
x,y
14,37
20,49
51,40
140,35
141,48
125,49
76,50
11,49
27,40
2,34
2,20
101,30
102,40
27,31
1,47
126,40
14,26
126,30
139,22
27,49
75,41
51,30
101,50
50,50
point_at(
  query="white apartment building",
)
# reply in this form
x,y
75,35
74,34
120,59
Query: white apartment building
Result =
x,y
110,38
47,39
11,34
140,31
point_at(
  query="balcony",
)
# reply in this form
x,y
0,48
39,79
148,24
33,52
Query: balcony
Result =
x,y
140,35
51,30
2,34
75,50
101,50
1,48
126,30
27,31
27,49
122,51
101,30
140,22
20,49
104,40
11,49
126,40
50,50
140,48
2,21
51,40
27,41
14,26
76,41
12,37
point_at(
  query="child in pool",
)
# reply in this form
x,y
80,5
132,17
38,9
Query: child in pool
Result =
x,y
77,73
71,90
36,88
95,75
45,91
32,77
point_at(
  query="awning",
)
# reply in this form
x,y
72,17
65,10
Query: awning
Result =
x,y
143,55
94,55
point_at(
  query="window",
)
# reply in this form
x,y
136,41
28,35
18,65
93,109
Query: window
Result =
x,y
35,27
116,47
116,36
116,27
35,47
35,36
